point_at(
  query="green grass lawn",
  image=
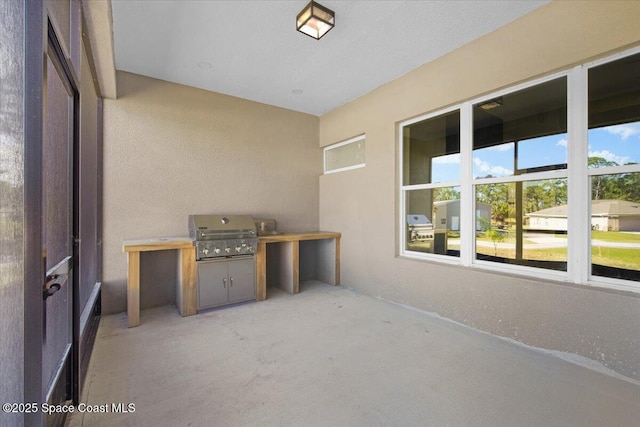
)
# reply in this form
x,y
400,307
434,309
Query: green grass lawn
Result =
x,y
615,236
627,258
616,257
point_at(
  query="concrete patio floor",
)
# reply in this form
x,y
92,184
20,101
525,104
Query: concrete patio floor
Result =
x,y
330,356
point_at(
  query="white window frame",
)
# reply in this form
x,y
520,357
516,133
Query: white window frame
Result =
x,y
403,251
601,281
342,144
534,176
577,174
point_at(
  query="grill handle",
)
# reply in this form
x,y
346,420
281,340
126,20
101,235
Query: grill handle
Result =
x,y
232,233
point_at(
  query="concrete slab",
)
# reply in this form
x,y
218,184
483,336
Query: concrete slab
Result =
x,y
330,356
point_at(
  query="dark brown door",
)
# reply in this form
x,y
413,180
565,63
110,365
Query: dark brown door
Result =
x,y
57,231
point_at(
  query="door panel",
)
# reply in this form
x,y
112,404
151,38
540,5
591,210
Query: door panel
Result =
x,y
57,189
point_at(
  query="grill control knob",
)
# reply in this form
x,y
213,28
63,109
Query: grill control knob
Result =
x,y
227,250
238,248
216,251
205,251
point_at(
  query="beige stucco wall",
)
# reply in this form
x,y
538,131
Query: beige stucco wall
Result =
x,y
601,325
172,150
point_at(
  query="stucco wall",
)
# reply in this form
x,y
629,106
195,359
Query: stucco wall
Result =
x,y
172,150
599,324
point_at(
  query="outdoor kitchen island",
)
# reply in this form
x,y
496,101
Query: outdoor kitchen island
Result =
x,y
326,248
287,263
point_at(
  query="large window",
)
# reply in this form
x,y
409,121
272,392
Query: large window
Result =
x,y
514,137
614,168
431,176
541,180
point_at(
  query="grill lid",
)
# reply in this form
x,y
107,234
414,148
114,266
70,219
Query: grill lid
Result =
x,y
418,221
214,227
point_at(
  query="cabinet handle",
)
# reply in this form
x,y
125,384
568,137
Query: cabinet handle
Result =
x,y
224,282
231,282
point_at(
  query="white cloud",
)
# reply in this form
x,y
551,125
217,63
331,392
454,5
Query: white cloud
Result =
x,y
562,143
486,169
624,131
448,159
608,155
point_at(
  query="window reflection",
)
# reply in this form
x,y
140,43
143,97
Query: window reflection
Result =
x,y
615,226
433,221
523,223
543,153
432,150
614,143
522,132
494,161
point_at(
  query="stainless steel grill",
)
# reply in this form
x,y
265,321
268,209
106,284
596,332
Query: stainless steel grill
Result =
x,y
223,235
419,229
225,258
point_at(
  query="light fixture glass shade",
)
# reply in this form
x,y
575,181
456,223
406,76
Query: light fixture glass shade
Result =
x,y
315,20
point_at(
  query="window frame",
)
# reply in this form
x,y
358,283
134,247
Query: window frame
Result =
x,y
577,173
591,279
404,189
524,177
349,141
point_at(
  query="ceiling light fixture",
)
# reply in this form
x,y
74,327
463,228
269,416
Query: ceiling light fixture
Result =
x,y
491,104
315,20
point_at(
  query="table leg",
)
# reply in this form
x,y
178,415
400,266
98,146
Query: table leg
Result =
x,y
186,302
337,243
261,272
295,265
133,289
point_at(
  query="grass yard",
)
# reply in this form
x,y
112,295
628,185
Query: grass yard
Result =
x,y
617,257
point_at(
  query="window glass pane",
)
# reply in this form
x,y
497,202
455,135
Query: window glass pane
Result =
x,y
530,125
56,191
344,156
614,113
536,153
445,168
433,221
615,145
494,161
523,223
431,150
615,226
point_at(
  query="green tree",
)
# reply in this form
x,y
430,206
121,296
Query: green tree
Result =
x,y
630,182
601,185
496,236
498,196
447,193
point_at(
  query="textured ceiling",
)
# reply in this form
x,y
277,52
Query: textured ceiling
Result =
x,y
250,49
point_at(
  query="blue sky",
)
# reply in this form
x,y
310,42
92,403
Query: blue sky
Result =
x,y
619,143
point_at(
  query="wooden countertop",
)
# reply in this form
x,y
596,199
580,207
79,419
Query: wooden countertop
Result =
x,y
290,237
166,243
157,244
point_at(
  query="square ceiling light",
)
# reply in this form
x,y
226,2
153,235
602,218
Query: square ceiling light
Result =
x,y
315,20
